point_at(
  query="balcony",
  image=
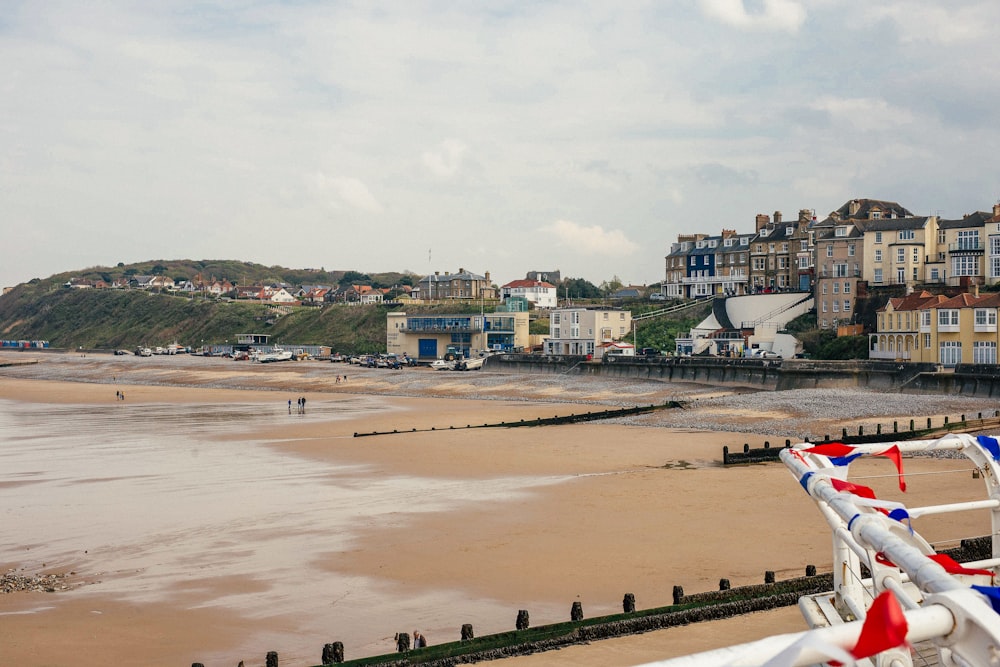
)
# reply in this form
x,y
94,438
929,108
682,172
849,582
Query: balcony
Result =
x,y
972,245
472,326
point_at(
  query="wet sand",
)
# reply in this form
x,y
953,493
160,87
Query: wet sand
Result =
x,y
204,523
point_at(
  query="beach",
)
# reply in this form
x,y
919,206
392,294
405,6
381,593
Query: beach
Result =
x,y
205,518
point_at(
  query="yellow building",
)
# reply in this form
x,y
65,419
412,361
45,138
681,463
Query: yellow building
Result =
x,y
430,337
935,329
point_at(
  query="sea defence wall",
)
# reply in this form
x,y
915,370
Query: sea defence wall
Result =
x,y
778,374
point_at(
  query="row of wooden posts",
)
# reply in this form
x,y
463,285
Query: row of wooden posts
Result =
x,y
333,653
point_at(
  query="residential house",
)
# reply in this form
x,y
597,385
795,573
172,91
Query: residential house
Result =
x,y
781,255
629,292
732,262
430,337
582,331
538,292
961,257
959,330
895,250
901,327
463,285
675,283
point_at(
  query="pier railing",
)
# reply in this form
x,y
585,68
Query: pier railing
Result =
x,y
894,599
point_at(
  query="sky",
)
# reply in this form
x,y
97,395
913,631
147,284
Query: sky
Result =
x,y
494,136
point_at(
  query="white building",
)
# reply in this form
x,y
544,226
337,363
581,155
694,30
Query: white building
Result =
x,y
585,330
538,292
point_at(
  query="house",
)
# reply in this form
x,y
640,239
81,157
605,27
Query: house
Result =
x,y
463,285
538,292
430,337
959,330
629,292
581,331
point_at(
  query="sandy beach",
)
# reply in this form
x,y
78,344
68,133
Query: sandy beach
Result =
x,y
202,519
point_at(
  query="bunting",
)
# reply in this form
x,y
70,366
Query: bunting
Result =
x,y
841,455
951,566
885,627
990,444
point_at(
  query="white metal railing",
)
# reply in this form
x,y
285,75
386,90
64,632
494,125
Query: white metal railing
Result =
x,y
936,599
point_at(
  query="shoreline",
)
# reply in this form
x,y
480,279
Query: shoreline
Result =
x,y
457,529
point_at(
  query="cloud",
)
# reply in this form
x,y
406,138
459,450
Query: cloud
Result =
x,y
446,161
723,176
349,191
785,15
593,240
917,22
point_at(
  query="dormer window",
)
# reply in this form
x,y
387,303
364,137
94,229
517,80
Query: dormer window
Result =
x,y
789,230
876,215
840,231
746,240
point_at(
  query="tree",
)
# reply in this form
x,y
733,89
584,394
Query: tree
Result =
x,y
158,270
578,288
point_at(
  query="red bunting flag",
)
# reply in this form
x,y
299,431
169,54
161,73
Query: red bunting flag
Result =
x,y
884,628
831,449
951,566
856,489
894,455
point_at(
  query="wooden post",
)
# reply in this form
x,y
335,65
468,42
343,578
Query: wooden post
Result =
x,y
769,577
333,653
928,422
272,659
467,634
878,429
810,570
628,603
522,619
725,455
724,585
895,427
576,613
678,594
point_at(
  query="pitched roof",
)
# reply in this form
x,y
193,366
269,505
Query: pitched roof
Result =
x,y
977,219
529,283
916,301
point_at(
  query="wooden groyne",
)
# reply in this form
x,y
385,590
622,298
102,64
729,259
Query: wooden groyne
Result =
x,y
913,430
524,639
557,420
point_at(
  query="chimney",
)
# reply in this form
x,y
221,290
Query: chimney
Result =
x,y
805,215
996,210
777,217
487,276
854,207
762,220
975,290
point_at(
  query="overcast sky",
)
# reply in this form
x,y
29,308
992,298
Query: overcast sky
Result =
x,y
492,136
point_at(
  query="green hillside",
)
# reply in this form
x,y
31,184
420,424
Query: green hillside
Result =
x,y
111,319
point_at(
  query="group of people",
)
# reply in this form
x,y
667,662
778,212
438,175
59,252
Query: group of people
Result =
x,y
301,403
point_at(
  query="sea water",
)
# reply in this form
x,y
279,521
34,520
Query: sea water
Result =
x,y
160,503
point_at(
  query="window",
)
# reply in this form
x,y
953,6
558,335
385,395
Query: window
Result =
x,y
770,247
916,255
985,319
836,288
878,276
876,215
950,352
836,306
965,265
824,288
948,319
916,273
994,267
803,245
850,250
840,270
784,247
906,235
824,305
927,341
935,273
878,237
900,255
829,250
847,287
984,352
941,236
840,231
878,255
968,240
847,305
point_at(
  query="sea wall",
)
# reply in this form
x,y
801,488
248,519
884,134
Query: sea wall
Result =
x,y
779,374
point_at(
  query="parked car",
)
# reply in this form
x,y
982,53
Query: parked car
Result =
x,y
656,296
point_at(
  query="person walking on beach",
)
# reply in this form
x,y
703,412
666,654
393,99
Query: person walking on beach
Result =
x,y
419,641
289,406
303,399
